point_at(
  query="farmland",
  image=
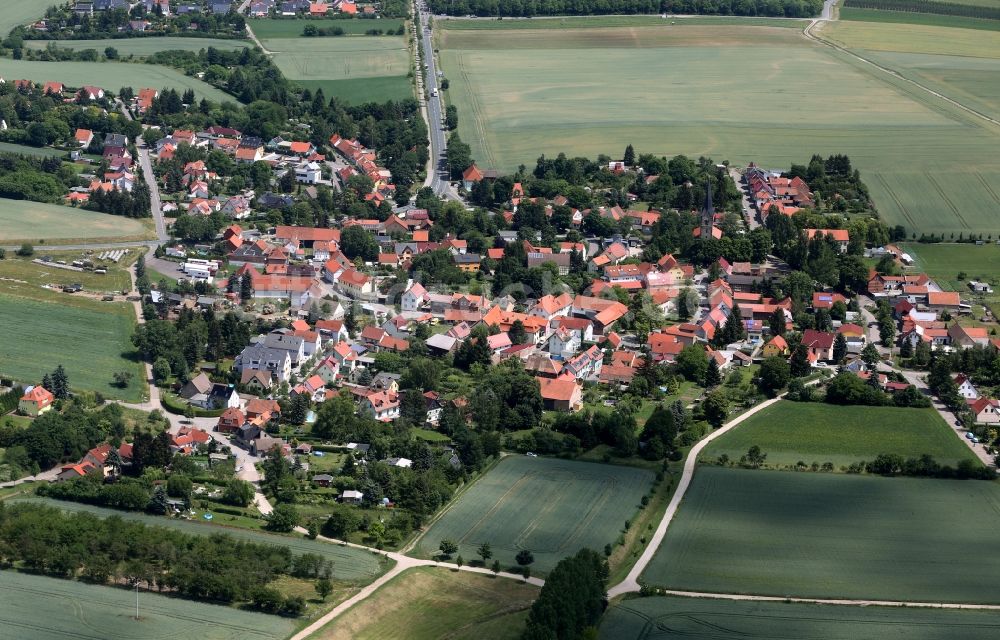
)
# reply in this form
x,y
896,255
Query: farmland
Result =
x,y
704,619
34,221
908,17
588,22
349,564
141,47
913,38
18,12
43,608
109,75
23,277
696,90
345,67
292,28
790,432
90,339
430,603
550,507
41,152
824,535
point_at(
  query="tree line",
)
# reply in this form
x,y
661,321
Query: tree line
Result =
x,y
530,8
215,568
928,6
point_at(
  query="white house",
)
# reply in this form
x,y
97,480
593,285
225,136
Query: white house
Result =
x,y
308,173
413,298
564,343
965,387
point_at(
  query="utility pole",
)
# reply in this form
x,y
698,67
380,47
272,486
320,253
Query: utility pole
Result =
x,y
137,600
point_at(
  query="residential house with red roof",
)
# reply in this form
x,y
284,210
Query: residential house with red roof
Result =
x,y
35,401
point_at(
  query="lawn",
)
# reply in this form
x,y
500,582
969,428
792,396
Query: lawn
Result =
x,y
909,17
109,75
724,92
34,221
703,619
265,28
141,47
429,603
356,69
349,564
551,507
90,339
790,432
18,12
39,608
832,536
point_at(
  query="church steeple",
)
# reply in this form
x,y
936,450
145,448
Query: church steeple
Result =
x,y
707,213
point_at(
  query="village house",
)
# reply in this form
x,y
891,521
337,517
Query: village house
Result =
x,y
561,394
35,401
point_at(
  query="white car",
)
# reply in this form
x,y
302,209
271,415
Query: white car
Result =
x,y
531,455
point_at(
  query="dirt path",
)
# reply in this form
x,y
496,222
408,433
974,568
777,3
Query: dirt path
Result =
x,y
631,581
833,601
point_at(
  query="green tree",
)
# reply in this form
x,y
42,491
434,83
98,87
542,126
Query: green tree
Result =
x,y
755,457
692,362
712,374
447,548
799,362
776,322
324,588
524,557
839,348
870,355
572,601
774,374
238,493
716,408
283,518
485,552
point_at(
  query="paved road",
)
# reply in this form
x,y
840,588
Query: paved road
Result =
x,y
749,214
154,190
437,177
919,380
832,601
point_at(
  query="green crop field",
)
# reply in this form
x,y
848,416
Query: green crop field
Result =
x,y
34,221
39,608
142,46
265,28
551,507
90,339
790,432
730,92
909,17
832,536
362,90
580,22
430,603
41,152
349,564
660,618
912,38
18,12
356,69
109,76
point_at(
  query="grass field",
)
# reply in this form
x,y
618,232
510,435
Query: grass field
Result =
x,y
356,69
40,608
943,262
725,92
90,339
838,536
18,12
265,28
349,564
34,221
22,277
790,432
551,507
580,22
660,618
109,75
428,603
909,17
141,47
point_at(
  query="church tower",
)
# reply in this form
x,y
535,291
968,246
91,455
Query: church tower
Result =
x,y
707,213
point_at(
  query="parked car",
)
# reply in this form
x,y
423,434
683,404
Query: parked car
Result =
x,y
531,455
